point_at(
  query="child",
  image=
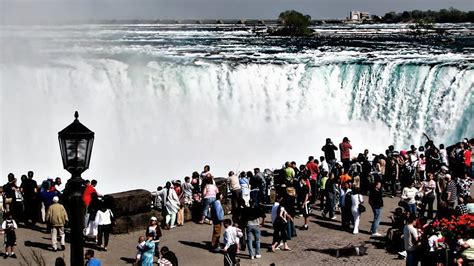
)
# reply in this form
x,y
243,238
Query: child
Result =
x,y
231,236
167,257
90,259
140,247
9,226
239,234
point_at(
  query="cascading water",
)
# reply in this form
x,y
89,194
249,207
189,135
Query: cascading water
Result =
x,y
162,111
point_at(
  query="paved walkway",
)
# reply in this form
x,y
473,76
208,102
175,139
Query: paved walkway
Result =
x,y
189,243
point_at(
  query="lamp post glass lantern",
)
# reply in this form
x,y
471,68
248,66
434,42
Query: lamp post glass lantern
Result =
x,y
75,143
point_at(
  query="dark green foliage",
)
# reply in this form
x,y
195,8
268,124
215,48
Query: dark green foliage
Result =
x,y
293,23
450,15
389,17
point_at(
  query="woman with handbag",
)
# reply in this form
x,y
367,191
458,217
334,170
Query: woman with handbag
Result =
x,y
104,219
428,188
357,201
280,220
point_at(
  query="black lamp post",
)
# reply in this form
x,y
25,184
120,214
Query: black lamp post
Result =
x,y
75,142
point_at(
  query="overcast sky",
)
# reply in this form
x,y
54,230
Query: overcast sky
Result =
x,y
21,10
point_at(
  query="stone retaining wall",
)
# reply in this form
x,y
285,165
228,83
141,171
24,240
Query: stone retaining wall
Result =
x,y
132,209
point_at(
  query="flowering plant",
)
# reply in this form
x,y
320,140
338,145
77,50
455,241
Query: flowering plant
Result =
x,y
455,228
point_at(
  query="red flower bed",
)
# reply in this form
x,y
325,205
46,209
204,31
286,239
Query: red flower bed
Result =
x,y
455,228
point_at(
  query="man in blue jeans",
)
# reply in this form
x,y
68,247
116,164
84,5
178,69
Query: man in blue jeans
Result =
x,y
376,202
252,215
412,240
217,216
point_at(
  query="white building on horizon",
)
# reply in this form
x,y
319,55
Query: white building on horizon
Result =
x,y
359,15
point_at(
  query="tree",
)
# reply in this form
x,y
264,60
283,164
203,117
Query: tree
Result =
x,y
406,16
389,17
450,15
417,14
470,16
293,23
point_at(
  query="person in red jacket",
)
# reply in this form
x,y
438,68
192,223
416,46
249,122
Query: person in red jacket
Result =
x,y
87,195
345,148
313,168
467,160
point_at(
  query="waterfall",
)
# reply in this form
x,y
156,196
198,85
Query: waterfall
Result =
x,y
161,117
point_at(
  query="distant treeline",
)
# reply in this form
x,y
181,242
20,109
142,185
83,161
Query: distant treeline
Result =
x,y
450,15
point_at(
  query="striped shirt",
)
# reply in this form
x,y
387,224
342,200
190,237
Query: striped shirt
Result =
x,y
451,188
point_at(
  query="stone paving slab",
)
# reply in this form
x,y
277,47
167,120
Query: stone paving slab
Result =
x,y
189,242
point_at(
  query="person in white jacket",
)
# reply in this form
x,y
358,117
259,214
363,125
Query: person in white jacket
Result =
x,y
408,195
357,199
171,205
104,219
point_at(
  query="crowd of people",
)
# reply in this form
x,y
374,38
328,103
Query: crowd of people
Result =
x,y
28,204
420,176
